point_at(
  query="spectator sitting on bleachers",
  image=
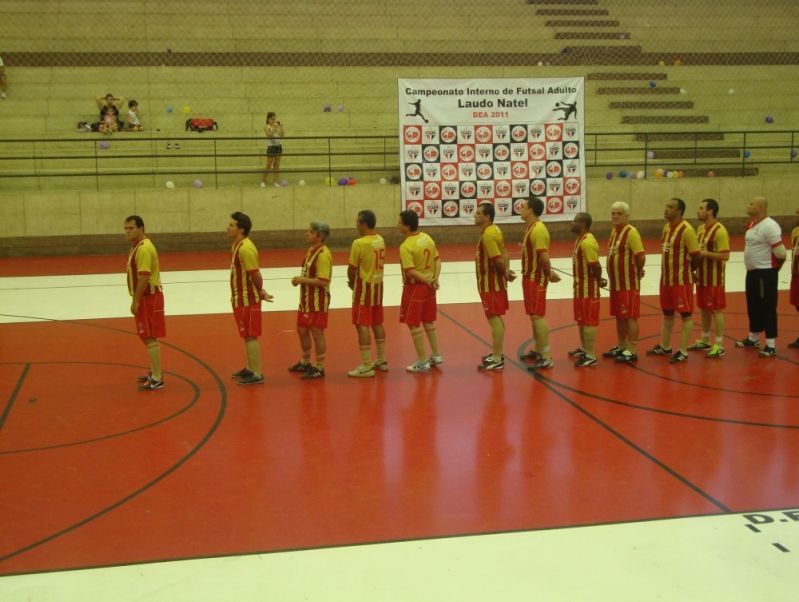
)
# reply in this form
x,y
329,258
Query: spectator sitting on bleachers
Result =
x,y
133,124
109,112
3,79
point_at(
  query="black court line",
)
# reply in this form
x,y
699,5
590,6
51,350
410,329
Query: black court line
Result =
x,y
143,427
660,464
13,397
213,428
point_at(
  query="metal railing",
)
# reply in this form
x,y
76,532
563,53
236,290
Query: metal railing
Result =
x,y
99,162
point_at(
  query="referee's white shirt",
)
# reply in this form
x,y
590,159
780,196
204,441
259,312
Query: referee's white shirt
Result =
x,y
761,238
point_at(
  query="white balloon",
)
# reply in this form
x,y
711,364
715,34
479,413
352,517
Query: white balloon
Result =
x,y
301,182
383,181
170,184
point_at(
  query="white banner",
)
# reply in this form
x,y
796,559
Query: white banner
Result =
x,y
467,141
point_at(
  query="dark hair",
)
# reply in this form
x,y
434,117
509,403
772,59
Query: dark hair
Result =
x,y
135,218
243,221
109,94
132,103
270,114
680,204
713,205
410,219
488,210
367,217
536,204
585,218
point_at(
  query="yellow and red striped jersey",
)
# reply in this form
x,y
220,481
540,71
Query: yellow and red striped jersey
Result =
x,y
535,241
143,259
418,252
715,239
677,243
318,264
367,255
584,256
795,247
624,246
244,260
490,246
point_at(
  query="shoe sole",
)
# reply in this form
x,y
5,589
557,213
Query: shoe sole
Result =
x,y
244,383
369,374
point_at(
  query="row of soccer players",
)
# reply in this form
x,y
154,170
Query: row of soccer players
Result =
x,y
688,257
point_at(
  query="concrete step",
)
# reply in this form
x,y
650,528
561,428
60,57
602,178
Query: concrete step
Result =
x,y
581,23
639,91
605,76
639,119
678,136
662,104
572,12
592,35
703,153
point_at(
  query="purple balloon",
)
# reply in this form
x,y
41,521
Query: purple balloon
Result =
x,y
104,145
326,108
609,175
769,119
198,183
343,181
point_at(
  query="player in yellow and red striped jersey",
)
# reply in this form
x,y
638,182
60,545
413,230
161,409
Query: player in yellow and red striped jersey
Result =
x,y
537,273
246,293
492,268
587,274
421,266
365,278
679,259
147,299
794,295
625,268
714,252
314,283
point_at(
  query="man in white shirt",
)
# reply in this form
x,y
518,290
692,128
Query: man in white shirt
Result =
x,y
764,254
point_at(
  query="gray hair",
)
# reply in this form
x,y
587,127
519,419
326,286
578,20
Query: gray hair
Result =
x,y
621,205
321,228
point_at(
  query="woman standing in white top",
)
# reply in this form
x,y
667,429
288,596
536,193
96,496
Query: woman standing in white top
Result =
x,y
274,150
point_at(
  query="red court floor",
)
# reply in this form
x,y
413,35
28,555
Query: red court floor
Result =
x,y
96,473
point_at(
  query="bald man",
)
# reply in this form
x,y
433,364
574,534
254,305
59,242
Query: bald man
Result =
x,y
764,255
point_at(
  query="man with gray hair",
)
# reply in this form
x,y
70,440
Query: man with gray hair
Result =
x,y
625,267
764,255
314,283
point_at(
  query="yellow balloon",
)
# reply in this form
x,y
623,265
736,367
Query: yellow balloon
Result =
x,y
187,109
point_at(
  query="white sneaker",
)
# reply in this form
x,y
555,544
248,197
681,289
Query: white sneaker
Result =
x,y
263,184
2,95
276,185
435,359
418,366
362,372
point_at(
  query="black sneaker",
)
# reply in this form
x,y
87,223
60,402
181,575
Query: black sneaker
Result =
x,y
678,358
490,364
143,378
794,344
152,385
541,364
243,373
614,352
313,373
300,367
578,353
532,355
626,357
586,361
767,352
252,379
659,350
489,356
748,343
700,345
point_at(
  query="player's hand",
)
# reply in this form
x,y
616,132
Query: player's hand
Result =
x,y
641,274
511,275
295,281
134,307
266,296
554,277
434,284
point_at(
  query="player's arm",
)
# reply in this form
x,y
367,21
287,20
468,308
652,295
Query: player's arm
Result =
x,y
141,287
718,256
436,272
352,271
780,253
640,262
500,265
258,282
546,266
297,280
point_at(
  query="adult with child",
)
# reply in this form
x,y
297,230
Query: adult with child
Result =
x,y
314,283
274,149
109,107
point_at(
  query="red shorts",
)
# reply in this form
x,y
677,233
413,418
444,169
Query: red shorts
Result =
x,y
678,297
248,320
312,319
794,298
625,305
150,323
710,298
495,303
418,304
367,315
535,298
586,311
